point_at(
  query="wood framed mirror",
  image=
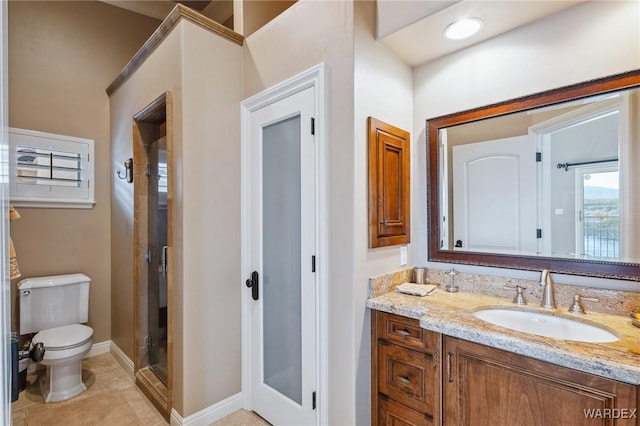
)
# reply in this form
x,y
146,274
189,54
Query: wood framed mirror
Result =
x,y
533,182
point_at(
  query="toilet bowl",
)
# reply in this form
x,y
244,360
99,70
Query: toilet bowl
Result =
x,y
65,347
54,308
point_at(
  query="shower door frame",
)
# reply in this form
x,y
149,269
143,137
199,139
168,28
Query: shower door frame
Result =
x,y
145,126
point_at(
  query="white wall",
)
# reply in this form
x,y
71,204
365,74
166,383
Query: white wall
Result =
x,y
591,40
306,34
383,88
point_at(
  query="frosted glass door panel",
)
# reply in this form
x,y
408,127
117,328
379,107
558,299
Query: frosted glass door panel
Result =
x,y
281,246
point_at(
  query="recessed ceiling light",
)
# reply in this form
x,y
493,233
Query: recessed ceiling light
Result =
x,y
463,28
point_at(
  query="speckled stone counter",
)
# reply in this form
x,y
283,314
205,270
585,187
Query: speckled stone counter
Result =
x,y
452,314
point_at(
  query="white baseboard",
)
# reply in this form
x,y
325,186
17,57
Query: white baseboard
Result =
x,y
99,348
210,414
122,358
203,417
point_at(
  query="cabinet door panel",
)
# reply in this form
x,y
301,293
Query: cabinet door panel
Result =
x,y
407,376
487,386
390,413
406,332
389,184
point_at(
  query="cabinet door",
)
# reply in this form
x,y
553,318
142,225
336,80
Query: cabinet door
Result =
x,y
406,332
487,386
407,376
390,413
389,182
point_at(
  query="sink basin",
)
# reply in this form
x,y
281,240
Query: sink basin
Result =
x,y
545,325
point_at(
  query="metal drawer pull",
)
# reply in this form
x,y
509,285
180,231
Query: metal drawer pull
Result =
x,y
449,377
403,379
403,332
435,356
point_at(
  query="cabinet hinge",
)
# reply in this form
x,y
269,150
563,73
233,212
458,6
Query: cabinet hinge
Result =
x,y
313,126
147,170
538,233
313,400
538,157
313,263
147,255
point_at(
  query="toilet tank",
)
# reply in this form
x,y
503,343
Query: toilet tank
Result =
x,y
54,301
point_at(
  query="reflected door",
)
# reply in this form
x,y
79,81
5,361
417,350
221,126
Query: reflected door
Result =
x,y
494,187
283,239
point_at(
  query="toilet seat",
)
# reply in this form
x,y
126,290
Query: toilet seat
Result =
x,y
65,337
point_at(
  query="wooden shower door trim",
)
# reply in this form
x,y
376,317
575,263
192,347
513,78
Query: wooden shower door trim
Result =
x,y
143,121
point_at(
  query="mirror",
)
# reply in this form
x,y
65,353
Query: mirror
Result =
x,y
548,181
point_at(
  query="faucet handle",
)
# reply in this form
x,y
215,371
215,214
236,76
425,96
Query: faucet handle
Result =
x,y
544,277
519,297
577,307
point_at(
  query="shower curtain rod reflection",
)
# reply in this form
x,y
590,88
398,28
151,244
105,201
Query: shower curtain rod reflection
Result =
x,y
566,166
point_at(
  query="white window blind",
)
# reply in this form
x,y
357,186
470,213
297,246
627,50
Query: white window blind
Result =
x,y
48,170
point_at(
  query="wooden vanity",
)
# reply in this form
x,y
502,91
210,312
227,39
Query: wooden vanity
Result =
x,y
405,371
425,377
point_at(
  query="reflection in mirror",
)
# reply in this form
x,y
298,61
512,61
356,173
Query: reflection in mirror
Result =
x,y
544,181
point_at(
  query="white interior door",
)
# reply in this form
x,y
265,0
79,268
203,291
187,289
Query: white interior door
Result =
x,y
282,258
495,199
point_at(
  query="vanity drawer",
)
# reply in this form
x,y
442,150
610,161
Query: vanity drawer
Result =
x,y
407,376
405,332
390,413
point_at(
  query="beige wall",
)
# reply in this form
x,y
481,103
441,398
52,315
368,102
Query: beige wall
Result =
x,y
138,91
212,83
254,14
62,56
202,70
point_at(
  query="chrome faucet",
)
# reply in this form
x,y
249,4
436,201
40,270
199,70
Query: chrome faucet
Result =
x,y
548,294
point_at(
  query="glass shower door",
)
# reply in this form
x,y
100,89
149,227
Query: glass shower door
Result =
x,y
157,272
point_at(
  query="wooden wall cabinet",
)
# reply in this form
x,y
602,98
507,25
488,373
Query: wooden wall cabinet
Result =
x,y
389,184
405,372
488,386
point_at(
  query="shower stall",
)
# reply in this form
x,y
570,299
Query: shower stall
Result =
x,y
152,140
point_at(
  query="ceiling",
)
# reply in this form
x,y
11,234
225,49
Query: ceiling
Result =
x,y
413,29
218,10
410,28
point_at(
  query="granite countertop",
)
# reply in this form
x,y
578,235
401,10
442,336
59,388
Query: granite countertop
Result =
x,y
452,314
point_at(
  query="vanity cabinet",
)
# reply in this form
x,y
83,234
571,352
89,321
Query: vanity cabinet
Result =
x,y
488,386
406,371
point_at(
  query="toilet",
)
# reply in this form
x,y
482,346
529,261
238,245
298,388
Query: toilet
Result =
x,y
55,307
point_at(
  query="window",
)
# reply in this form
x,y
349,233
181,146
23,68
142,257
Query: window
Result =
x,y
48,170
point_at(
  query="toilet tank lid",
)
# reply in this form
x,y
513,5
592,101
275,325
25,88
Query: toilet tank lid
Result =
x,y
52,281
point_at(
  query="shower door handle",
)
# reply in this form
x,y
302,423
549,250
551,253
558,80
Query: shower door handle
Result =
x,y
252,283
164,262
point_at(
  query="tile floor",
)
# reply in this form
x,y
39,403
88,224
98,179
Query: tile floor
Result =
x,y
112,398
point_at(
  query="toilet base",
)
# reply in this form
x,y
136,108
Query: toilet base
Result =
x,y
62,382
